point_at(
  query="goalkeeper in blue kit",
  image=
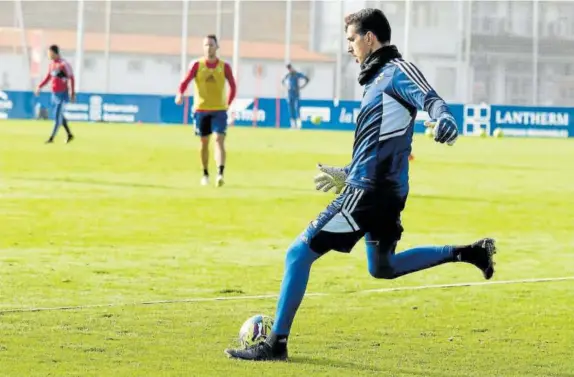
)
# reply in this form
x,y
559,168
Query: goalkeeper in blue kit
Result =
x,y
372,190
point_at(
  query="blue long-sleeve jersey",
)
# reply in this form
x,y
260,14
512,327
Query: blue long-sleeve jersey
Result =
x,y
384,130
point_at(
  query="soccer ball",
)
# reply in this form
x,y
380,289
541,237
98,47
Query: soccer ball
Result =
x,y
497,132
255,330
482,132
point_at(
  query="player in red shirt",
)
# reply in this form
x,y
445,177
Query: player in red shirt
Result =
x,y
62,79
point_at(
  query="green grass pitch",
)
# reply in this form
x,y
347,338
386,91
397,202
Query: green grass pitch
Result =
x,y
118,217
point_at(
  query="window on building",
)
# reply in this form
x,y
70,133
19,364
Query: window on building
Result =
x,y
557,19
520,20
481,87
426,14
484,16
519,89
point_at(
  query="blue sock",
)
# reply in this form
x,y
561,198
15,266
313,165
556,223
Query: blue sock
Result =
x,y
58,117
297,267
385,264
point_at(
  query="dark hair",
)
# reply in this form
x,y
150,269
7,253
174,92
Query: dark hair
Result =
x,y
55,49
370,19
289,66
212,36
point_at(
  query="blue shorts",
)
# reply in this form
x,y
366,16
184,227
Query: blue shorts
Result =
x,y
60,98
208,122
354,214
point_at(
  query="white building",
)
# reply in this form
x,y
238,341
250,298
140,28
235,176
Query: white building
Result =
x,y
145,45
504,51
143,64
507,52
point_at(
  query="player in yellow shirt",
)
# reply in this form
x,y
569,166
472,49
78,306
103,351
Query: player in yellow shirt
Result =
x,y
210,103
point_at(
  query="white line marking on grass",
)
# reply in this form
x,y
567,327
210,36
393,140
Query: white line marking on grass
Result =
x,y
472,284
262,297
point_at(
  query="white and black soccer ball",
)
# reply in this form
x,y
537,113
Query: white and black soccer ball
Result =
x,y
255,330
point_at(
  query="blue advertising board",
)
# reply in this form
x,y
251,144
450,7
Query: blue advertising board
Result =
x,y
87,108
273,112
525,121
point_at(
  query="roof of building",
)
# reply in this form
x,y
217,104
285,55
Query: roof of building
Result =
x,y
156,45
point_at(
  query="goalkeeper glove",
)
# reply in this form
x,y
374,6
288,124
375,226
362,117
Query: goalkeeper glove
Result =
x,y
445,129
330,177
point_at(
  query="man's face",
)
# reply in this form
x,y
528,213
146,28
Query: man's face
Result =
x,y
52,55
358,44
209,48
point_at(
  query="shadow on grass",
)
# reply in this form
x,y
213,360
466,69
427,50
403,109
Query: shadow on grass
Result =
x,y
336,363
